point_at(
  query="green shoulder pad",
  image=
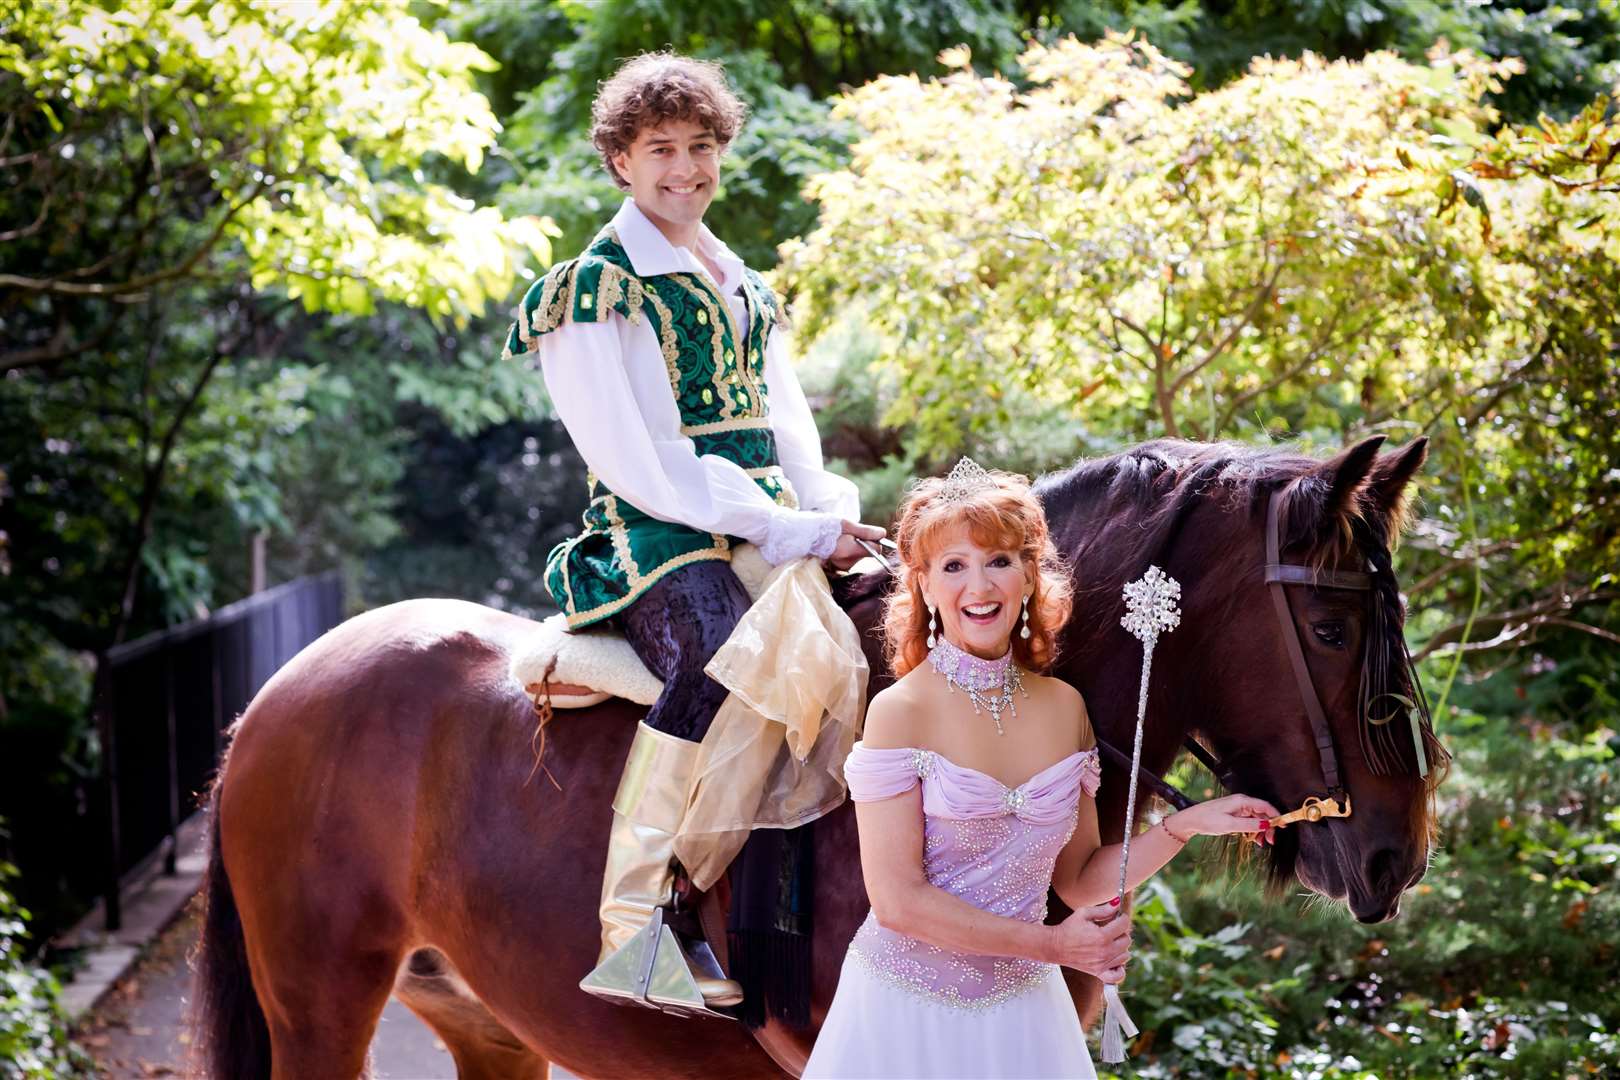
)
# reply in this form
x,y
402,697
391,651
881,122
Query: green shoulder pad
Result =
x,y
773,303
586,289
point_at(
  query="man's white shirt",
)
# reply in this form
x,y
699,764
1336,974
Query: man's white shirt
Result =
x,y
610,387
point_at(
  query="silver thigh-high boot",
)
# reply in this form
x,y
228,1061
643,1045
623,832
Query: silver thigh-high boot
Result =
x,y
642,962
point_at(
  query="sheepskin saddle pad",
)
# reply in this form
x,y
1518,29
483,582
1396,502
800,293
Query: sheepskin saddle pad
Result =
x,y
595,664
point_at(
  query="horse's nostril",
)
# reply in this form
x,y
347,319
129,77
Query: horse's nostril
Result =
x,y
1382,869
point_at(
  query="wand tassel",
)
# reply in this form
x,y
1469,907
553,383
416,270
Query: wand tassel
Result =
x,y
1117,1026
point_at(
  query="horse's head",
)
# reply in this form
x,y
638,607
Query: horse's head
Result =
x,y
1200,512
1340,515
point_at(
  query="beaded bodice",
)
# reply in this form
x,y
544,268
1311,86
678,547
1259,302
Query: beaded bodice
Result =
x,y
989,844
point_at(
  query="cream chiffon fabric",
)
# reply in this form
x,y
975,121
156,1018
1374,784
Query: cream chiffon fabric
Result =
x,y
774,756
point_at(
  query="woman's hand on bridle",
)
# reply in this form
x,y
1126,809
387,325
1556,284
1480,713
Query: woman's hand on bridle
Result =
x,y
1228,814
1096,940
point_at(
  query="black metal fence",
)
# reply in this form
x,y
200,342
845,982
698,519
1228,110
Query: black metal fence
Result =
x,y
172,695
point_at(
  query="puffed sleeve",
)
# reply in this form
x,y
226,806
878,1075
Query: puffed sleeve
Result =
x,y
619,410
874,774
798,444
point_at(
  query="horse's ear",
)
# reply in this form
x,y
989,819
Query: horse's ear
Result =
x,y
1344,474
1321,503
1386,495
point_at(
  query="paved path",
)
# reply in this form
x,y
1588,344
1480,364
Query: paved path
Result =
x,y
136,1031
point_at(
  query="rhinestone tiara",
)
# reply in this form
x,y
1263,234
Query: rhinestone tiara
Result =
x,y
965,480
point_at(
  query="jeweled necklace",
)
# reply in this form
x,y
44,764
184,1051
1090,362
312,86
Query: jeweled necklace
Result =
x,y
978,676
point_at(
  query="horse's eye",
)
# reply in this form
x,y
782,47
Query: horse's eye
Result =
x,y
1329,633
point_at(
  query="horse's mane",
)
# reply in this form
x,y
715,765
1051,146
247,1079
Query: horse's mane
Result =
x,y
1156,483
1154,486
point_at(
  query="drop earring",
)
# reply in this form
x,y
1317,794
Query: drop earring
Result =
x,y
930,626
1024,633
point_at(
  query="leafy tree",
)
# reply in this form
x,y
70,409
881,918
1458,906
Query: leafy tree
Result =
x,y
180,155
1315,249
185,189
785,56
1571,50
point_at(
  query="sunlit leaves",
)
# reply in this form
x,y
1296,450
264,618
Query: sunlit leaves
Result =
x,y
1312,250
312,123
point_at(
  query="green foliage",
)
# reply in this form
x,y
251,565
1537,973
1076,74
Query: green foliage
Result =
x,y
33,1031
1473,979
203,170
1312,251
784,56
1191,986
1571,50
300,131
189,192
484,514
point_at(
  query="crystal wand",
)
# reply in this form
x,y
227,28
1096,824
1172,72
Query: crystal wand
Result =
x,y
1150,610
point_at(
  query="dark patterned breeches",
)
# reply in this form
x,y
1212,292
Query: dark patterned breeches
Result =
x,y
676,627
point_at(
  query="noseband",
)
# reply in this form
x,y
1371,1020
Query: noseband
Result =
x,y
1279,575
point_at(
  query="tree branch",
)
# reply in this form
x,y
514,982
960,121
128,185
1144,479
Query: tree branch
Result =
x,y
1266,291
1235,406
1585,628
1513,623
31,229
1496,547
151,486
139,284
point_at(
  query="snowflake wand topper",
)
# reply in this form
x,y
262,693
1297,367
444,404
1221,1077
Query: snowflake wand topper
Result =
x,y
1150,610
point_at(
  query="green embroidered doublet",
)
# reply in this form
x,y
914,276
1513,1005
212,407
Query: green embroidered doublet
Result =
x,y
718,379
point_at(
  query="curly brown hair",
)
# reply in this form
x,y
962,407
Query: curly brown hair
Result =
x,y
655,88
1002,516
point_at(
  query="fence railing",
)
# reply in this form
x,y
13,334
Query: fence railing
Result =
x,y
171,697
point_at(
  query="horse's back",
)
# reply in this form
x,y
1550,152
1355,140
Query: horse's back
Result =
x,y
385,791
381,739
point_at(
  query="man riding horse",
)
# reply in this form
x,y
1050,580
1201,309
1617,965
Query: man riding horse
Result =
x,y
660,352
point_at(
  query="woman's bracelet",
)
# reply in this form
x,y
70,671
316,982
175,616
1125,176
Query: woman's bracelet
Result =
x,y
1164,823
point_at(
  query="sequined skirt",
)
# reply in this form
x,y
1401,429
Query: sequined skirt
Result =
x,y
878,1028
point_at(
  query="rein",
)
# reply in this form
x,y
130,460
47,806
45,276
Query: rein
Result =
x,y
1278,575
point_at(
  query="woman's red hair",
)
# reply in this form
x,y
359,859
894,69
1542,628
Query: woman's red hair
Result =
x,y
1002,515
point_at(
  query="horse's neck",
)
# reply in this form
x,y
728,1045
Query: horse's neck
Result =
x,y
1095,655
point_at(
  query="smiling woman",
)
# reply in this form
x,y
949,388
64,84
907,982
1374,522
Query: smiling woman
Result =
x,y
952,518
964,827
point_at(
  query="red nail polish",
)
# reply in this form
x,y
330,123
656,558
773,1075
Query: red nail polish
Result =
x,y
1114,902
1265,823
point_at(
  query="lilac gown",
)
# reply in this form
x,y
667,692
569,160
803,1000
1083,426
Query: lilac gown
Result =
x,y
905,1008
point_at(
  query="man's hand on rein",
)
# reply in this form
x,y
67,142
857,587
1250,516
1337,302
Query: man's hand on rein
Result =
x,y
848,552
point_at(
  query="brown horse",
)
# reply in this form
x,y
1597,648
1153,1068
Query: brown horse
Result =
x,y
379,826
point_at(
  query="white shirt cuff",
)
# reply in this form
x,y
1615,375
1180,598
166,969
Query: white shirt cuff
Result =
x,y
795,534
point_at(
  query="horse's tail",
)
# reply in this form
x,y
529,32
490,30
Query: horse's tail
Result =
x,y
229,1036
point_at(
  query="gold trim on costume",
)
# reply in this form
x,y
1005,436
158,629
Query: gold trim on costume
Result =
x,y
720,553
755,310
706,295
666,341
569,608
559,294
739,423
620,535
617,286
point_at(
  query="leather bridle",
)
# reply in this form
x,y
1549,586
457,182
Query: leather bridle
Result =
x,y
1279,575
